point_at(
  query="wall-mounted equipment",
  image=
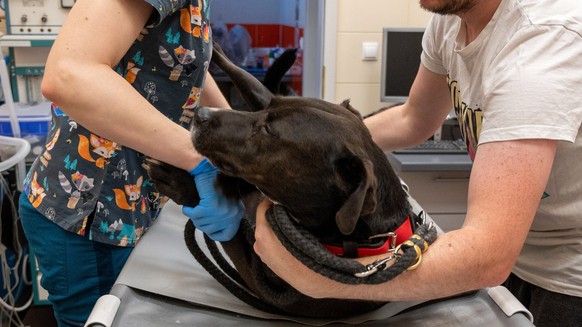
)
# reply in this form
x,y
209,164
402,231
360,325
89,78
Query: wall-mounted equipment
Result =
x,y
32,26
31,17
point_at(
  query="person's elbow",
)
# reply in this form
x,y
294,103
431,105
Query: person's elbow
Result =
x,y
498,274
495,270
58,81
484,261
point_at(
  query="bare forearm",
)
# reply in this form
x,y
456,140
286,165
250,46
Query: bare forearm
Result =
x,y
502,203
390,129
447,268
114,110
416,120
79,78
212,96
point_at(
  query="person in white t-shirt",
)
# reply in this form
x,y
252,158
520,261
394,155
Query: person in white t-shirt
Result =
x,y
512,70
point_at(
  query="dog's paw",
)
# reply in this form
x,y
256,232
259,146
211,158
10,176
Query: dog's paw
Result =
x,y
173,182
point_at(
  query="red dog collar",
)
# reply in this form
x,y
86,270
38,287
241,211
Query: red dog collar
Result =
x,y
402,234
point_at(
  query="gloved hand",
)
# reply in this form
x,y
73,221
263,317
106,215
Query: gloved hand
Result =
x,y
215,215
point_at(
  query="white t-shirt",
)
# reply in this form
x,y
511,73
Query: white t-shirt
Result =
x,y
521,78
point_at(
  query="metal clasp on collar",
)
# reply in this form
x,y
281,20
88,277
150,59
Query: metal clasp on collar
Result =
x,y
380,264
391,237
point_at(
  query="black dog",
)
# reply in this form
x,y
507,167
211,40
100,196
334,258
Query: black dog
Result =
x,y
314,159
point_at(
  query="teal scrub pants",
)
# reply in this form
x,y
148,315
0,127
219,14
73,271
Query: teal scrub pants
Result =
x,y
75,270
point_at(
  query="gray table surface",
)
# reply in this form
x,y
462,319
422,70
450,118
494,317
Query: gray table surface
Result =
x,y
162,285
142,308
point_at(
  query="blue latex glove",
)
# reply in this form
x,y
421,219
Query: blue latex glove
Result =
x,y
215,215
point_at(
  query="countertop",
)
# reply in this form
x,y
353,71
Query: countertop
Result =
x,y
429,162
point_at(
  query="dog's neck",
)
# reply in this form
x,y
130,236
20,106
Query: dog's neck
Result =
x,y
375,244
393,209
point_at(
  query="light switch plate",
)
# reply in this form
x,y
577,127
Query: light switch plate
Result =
x,y
369,50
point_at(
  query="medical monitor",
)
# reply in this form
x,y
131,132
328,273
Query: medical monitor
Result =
x,y
401,50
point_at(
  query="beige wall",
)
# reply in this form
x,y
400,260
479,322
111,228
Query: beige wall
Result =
x,y
3,30
358,22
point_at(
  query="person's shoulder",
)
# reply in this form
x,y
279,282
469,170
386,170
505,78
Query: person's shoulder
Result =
x,y
564,13
443,27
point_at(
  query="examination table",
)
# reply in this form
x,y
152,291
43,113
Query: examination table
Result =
x,y
163,285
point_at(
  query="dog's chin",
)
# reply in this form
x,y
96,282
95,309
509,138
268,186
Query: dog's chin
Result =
x,y
225,167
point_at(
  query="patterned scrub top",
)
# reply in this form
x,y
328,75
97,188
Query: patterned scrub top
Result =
x,y
88,184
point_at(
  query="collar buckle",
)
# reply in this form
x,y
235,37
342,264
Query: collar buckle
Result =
x,y
391,239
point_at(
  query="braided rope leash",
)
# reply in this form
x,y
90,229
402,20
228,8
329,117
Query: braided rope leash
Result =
x,y
309,251
304,246
222,271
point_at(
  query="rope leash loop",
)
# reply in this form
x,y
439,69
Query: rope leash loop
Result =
x,y
319,259
307,249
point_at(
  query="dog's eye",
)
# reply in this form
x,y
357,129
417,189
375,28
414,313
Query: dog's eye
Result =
x,y
269,130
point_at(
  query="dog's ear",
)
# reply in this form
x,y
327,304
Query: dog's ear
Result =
x,y
362,201
256,95
346,104
278,69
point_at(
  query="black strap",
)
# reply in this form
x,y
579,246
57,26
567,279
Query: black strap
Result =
x,y
350,249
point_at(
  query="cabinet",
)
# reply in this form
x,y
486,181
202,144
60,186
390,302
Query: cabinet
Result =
x,y
438,182
442,194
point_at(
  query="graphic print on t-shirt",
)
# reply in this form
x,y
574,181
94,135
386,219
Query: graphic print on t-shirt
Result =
x,y
470,119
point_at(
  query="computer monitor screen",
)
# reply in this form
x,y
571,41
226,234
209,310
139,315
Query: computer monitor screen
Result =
x,y
402,48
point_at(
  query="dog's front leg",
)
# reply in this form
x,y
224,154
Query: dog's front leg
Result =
x,y
173,182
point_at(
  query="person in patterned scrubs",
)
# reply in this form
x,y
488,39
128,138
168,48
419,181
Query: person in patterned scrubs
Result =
x,y
124,78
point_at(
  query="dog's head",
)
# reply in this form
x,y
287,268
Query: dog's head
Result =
x,y
315,158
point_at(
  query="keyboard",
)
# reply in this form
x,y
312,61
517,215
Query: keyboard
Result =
x,y
436,147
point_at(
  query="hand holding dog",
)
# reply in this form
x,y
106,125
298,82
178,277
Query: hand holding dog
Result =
x,y
272,252
215,215
286,266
